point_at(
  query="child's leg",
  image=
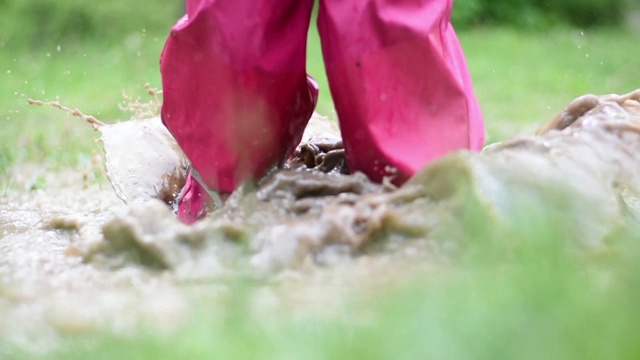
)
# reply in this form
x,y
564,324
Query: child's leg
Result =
x,y
399,82
236,94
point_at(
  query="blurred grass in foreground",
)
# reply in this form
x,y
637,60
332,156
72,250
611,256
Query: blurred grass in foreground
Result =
x,y
538,300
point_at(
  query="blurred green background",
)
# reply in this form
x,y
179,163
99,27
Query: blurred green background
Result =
x,y
528,59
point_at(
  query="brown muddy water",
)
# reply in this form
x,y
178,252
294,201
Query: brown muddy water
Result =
x,y
76,258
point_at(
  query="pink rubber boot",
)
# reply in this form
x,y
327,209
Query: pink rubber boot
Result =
x,y
399,82
194,201
236,94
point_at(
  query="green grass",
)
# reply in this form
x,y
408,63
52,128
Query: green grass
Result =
x,y
539,301
521,80
90,76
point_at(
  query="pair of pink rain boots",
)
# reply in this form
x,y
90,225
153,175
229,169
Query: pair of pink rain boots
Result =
x,y
237,97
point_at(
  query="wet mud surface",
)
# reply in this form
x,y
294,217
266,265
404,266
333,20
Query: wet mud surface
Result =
x,y
76,258
45,288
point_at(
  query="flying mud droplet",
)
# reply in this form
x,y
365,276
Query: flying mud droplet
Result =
x,y
321,148
142,160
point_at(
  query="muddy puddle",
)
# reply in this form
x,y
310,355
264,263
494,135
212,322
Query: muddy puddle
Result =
x,y
76,258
